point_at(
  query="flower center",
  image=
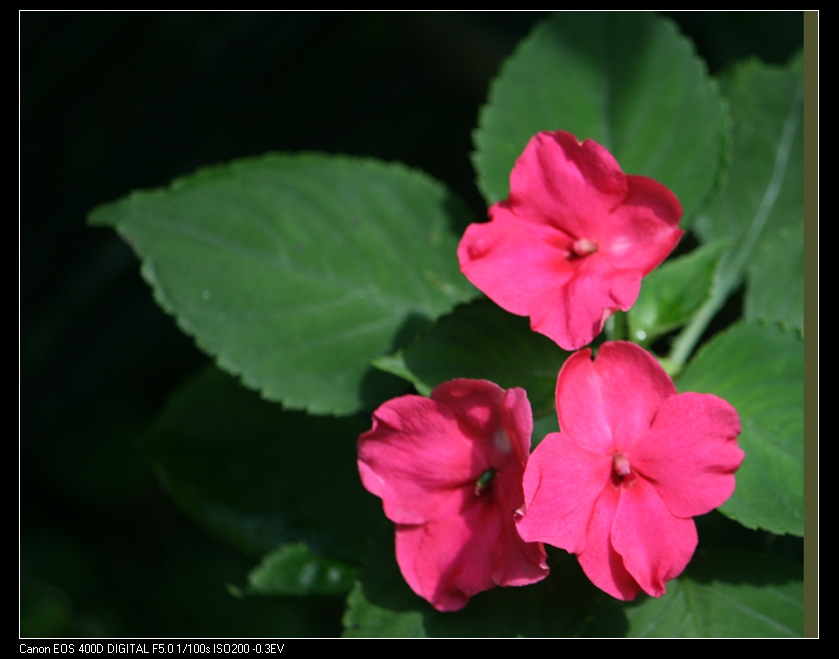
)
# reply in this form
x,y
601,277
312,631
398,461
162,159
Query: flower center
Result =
x,y
583,247
622,469
621,465
482,485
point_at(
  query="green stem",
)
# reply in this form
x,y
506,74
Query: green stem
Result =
x,y
620,327
688,338
730,273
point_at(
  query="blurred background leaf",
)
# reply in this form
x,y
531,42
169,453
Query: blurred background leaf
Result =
x,y
294,570
261,476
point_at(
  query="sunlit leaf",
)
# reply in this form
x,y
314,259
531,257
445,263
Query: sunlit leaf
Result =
x,y
764,190
295,271
673,292
776,278
765,186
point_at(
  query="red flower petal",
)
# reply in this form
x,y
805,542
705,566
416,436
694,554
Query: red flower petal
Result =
x,y
633,463
447,562
599,560
573,240
595,291
654,544
513,261
401,458
499,422
449,473
515,562
580,190
691,453
608,404
562,483
648,216
566,184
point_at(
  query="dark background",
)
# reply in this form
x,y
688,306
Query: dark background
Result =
x,y
112,102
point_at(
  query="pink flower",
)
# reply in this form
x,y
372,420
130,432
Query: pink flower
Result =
x,y
571,243
632,464
448,470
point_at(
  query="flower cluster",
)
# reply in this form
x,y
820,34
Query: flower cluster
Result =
x,y
634,460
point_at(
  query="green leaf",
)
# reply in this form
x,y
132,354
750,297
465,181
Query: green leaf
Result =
x,y
542,426
629,81
765,185
260,476
760,370
383,605
673,292
482,341
295,271
294,570
764,190
737,594
776,278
